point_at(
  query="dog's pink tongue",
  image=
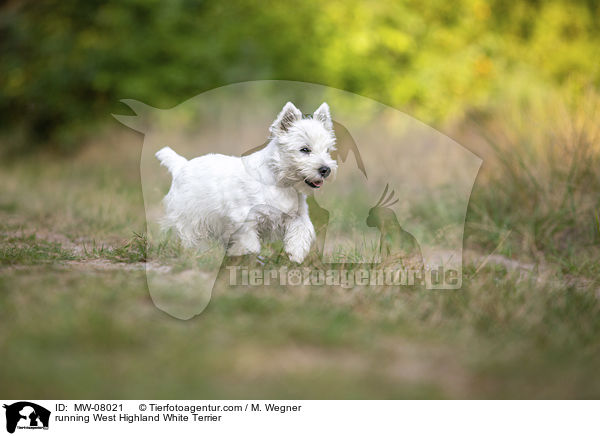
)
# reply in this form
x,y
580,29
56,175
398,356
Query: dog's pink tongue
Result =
x,y
318,183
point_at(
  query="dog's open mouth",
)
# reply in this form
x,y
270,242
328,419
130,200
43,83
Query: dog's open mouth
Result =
x,y
316,184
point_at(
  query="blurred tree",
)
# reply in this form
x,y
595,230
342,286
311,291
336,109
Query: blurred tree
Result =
x,y
65,64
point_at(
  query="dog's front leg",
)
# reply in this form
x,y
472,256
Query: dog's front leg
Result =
x,y
244,240
298,238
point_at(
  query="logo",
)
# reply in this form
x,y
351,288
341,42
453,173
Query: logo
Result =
x,y
394,215
26,415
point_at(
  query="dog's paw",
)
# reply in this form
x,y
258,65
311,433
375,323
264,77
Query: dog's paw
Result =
x,y
241,250
295,257
298,254
243,243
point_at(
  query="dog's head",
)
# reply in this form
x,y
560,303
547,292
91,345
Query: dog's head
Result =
x,y
304,145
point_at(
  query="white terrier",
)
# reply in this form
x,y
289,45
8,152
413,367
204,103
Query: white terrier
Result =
x,y
243,200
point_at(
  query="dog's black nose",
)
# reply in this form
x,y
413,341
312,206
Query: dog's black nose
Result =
x,y
324,171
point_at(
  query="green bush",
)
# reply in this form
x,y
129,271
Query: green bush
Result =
x,y
65,64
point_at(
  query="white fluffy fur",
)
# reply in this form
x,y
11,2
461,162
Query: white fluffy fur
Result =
x,y
243,200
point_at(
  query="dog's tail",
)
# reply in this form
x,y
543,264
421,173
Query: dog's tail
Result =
x,y
170,159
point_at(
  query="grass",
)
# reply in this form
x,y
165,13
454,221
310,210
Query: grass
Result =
x,y
31,251
77,320
131,251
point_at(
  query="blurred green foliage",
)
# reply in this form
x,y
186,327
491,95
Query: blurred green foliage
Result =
x,y
65,64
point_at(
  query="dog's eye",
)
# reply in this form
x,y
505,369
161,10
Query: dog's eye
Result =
x,y
305,150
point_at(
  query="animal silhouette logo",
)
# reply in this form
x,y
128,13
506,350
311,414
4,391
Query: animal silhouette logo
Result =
x,y
432,175
26,415
394,240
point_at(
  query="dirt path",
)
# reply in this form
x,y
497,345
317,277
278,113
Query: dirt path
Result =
x,y
82,248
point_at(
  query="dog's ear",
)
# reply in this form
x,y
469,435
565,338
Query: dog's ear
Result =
x,y
288,116
323,115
